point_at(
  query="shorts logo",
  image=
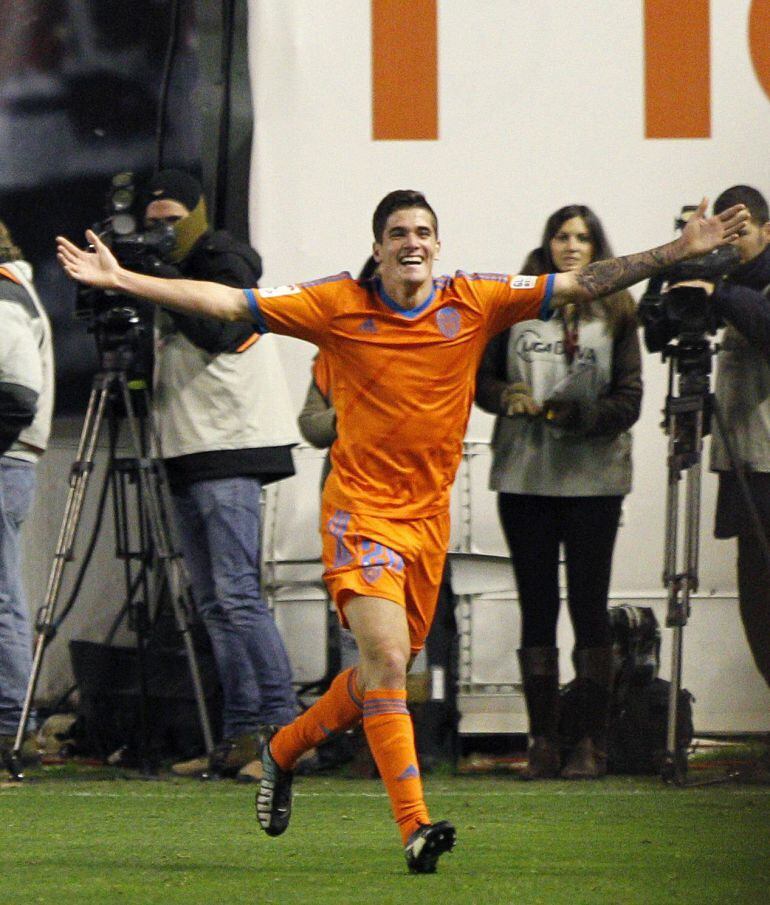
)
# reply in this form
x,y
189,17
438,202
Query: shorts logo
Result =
x,y
372,574
521,282
449,322
337,526
377,557
277,291
368,326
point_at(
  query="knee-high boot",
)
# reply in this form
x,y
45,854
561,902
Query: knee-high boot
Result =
x,y
588,760
540,675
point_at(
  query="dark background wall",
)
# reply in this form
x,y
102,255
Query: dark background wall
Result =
x,y
90,88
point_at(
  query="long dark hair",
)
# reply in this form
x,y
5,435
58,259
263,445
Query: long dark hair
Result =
x,y
613,308
541,257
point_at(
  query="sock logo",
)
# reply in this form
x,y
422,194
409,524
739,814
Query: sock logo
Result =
x,y
411,772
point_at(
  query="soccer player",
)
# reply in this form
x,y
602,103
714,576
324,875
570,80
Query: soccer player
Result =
x,y
404,351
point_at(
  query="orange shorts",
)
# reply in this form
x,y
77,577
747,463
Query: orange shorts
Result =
x,y
397,560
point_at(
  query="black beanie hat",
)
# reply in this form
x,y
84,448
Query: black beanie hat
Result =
x,y
175,185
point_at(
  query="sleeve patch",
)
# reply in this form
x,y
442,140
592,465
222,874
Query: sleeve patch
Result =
x,y
278,291
523,282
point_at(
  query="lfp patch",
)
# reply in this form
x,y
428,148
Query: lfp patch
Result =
x,y
448,321
274,292
521,282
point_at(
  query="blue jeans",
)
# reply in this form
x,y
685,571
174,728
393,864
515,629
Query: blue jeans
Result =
x,y
218,526
17,489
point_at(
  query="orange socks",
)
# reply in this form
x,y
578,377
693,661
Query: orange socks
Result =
x,y
336,710
390,734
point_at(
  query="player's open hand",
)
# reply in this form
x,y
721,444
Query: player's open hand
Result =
x,y
703,234
96,266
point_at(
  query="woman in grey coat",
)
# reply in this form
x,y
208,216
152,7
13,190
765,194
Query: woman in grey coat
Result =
x,y
566,391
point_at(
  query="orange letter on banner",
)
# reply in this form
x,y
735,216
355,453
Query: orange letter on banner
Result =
x,y
404,70
677,68
759,41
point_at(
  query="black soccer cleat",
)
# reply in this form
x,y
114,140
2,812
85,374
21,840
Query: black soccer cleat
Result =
x,y
427,844
274,793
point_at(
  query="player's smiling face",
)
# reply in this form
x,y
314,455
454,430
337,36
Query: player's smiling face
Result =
x,y
408,249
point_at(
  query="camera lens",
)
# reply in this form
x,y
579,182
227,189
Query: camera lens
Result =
x,y
123,224
122,199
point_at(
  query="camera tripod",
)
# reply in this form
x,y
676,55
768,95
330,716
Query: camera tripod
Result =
x,y
112,387
688,414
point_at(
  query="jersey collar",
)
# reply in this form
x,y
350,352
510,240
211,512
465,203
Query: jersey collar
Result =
x,y
398,309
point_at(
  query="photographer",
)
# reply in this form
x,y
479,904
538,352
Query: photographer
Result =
x,y
742,302
26,403
226,429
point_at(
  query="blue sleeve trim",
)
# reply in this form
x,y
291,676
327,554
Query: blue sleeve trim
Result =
x,y
259,319
546,312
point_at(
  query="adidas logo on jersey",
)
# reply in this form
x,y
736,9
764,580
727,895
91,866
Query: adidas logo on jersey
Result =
x,y
368,326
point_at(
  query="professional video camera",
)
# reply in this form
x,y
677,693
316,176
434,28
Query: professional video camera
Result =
x,y
142,250
117,321
669,311
137,249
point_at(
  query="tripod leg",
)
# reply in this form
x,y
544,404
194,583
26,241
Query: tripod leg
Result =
x,y
79,475
674,767
169,559
672,582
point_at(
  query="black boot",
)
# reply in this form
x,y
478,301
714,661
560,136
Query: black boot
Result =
x,y
588,759
540,678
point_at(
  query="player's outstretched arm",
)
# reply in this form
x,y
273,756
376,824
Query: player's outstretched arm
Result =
x,y
99,268
701,235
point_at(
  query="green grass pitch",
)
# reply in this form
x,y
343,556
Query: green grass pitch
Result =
x,y
623,841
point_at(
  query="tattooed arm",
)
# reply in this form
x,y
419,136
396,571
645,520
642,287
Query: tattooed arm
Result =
x,y
701,235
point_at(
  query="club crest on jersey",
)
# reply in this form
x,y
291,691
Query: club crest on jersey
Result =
x,y
522,282
448,321
274,292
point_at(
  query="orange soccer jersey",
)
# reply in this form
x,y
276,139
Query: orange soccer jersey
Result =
x,y
322,375
402,379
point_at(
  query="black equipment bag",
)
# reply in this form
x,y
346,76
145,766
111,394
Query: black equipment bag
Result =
x,y
638,723
635,644
636,741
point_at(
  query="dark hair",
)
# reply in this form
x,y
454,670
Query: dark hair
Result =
x,y
617,308
398,201
368,270
542,259
744,194
9,251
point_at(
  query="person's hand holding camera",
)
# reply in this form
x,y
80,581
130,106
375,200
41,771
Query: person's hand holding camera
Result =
x,y
562,413
517,399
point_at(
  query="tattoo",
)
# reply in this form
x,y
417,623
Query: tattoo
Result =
x,y
604,277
